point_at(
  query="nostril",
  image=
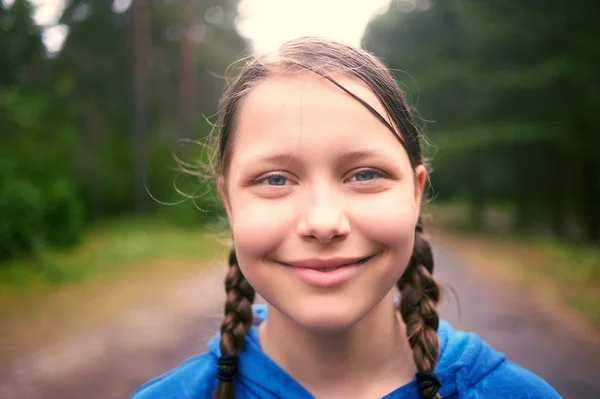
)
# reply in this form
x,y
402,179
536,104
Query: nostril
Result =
x,y
323,223
325,238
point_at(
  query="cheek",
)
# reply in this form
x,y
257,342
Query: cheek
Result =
x,y
389,222
389,219
259,227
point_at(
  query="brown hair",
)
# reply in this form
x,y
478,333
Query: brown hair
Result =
x,y
419,291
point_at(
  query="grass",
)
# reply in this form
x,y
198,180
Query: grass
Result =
x,y
118,266
106,250
558,273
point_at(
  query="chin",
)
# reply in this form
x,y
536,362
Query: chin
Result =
x,y
325,315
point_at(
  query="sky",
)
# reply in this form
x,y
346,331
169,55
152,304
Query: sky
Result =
x,y
266,23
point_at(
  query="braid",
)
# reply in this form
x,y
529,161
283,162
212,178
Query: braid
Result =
x,y
419,295
238,320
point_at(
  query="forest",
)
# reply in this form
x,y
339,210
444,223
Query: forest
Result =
x,y
507,94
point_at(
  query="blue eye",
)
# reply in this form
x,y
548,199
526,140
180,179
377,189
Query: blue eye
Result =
x,y
276,180
366,175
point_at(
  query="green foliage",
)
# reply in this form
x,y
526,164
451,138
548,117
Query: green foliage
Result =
x,y
36,214
38,200
21,223
509,89
66,142
63,214
20,41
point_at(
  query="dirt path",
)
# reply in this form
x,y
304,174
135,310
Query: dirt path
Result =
x,y
109,363
543,340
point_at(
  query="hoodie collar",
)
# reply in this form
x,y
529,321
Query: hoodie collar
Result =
x,y
464,360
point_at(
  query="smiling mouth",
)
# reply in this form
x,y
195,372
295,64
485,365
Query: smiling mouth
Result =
x,y
326,273
322,267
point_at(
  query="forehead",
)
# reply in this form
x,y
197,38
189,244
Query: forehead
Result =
x,y
306,111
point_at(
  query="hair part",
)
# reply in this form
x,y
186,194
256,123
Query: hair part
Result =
x,y
419,292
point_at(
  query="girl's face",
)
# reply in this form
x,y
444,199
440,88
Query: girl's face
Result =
x,y
316,181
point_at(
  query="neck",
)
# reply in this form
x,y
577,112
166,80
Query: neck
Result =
x,y
370,359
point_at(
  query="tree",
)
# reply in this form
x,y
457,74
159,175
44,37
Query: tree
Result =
x,y
508,84
140,15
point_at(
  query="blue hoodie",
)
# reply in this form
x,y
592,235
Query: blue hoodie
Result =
x,y
467,368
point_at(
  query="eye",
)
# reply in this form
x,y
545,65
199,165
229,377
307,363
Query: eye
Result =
x,y
276,180
366,175
273,180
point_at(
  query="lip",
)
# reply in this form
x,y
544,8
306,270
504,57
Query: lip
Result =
x,y
317,263
318,273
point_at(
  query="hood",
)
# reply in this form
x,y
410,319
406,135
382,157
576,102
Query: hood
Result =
x,y
464,360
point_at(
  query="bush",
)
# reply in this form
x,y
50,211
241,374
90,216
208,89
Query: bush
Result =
x,y
63,215
21,207
34,215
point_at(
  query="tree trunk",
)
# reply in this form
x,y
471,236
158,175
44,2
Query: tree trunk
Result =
x,y
187,70
140,12
590,197
523,192
92,149
556,183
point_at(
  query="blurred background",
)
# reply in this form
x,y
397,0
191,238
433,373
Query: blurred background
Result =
x,y
105,245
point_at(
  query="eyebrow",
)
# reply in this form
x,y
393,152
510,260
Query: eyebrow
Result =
x,y
281,158
360,155
278,158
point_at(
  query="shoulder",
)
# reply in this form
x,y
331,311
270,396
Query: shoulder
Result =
x,y
511,381
195,378
470,366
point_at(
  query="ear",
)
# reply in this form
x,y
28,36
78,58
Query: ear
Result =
x,y
222,190
420,179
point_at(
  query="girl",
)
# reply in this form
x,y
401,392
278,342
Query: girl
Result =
x,y
321,173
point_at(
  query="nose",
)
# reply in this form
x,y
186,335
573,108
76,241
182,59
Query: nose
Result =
x,y
324,222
